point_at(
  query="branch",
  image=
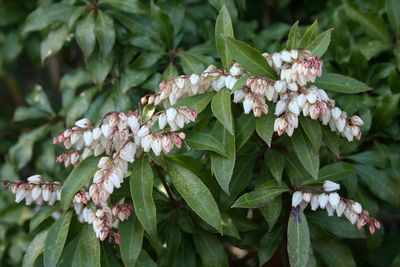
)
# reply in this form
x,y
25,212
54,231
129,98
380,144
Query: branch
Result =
x,y
171,196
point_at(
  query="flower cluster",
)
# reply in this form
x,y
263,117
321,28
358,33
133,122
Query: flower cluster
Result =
x,y
330,200
35,190
293,92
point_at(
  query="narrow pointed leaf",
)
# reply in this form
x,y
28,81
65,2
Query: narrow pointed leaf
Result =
x,y
306,153
55,240
250,58
341,84
131,232
310,34
141,184
223,29
85,36
34,249
77,179
196,195
221,108
211,250
298,240
204,141
313,131
105,33
259,197
275,162
320,44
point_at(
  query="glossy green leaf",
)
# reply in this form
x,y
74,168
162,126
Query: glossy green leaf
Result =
x,y
99,66
341,84
312,129
331,140
385,111
265,127
85,36
221,108
172,240
40,216
372,23
162,24
211,250
298,240
77,179
145,260
306,153
340,227
250,58
275,162
223,29
129,6
334,172
55,240
34,249
53,42
105,32
141,184
293,37
46,15
198,102
334,254
87,250
131,232
203,141
269,244
260,197
380,183
320,44
310,34
393,12
272,211
196,195
221,166
244,128
242,173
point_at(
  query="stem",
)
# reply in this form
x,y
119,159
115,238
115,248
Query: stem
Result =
x,y
171,196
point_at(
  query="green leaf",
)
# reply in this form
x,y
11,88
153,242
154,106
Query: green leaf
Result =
x,y
272,211
145,260
221,166
306,153
380,183
211,250
331,140
320,44
341,84
393,12
221,108
334,172
131,232
385,111
334,253
244,128
198,102
85,36
162,24
310,34
53,42
340,227
265,127
105,33
372,23
79,176
250,58
129,6
275,162
34,249
46,15
55,240
229,227
298,240
269,244
192,62
99,66
141,184
242,174
204,141
87,250
196,195
40,216
260,197
293,37
313,131
223,29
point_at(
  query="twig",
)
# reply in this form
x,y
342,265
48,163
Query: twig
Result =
x,y
171,196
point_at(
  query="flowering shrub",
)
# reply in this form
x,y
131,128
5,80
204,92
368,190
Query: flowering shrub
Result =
x,y
219,165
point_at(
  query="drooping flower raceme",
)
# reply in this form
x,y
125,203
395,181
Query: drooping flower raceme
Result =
x,y
121,137
330,200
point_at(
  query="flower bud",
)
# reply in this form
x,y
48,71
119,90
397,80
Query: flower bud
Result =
x,y
330,186
297,198
83,123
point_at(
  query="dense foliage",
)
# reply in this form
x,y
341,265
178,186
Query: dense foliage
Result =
x,y
223,188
